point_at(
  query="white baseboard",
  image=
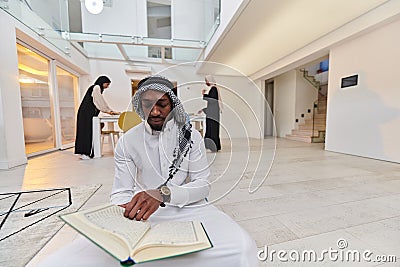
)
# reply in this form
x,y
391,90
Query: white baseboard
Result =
x,y
5,165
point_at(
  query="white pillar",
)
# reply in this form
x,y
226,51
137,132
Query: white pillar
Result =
x,y
12,145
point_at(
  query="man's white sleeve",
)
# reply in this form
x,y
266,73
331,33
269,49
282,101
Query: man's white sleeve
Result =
x,y
198,186
125,171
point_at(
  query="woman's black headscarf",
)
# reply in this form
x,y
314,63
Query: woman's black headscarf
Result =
x,y
102,80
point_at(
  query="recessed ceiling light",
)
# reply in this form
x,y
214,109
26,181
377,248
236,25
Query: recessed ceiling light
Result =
x,y
94,6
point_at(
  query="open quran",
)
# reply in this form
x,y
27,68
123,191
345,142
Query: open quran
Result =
x,y
131,241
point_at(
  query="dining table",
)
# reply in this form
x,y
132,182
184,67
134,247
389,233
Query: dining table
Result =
x,y
110,121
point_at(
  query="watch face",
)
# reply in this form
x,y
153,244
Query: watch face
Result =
x,y
165,190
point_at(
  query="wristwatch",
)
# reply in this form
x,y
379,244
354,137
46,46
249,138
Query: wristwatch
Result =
x,y
165,194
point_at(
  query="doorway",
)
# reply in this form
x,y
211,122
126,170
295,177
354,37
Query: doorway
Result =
x,y
269,109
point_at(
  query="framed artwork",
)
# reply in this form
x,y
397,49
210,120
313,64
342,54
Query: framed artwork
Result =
x,y
349,81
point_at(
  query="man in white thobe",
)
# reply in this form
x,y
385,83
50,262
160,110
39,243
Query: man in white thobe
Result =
x,y
161,174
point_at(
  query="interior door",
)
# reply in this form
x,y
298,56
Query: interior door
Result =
x,y
269,109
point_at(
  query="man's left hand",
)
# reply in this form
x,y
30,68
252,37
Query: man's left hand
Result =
x,y
143,204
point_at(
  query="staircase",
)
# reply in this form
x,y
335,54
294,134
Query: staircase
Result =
x,y
311,79
313,129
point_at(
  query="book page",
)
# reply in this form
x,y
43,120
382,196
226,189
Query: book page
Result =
x,y
170,233
171,239
112,219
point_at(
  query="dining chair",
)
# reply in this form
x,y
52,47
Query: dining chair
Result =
x,y
127,120
112,133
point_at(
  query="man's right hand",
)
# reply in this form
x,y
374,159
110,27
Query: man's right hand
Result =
x,y
142,205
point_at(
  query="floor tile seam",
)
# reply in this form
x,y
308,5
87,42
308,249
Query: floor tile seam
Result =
x,y
322,206
286,213
366,242
286,227
352,225
331,231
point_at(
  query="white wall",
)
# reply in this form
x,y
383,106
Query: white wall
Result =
x,y
187,25
118,95
12,148
242,100
306,94
186,22
242,115
365,120
285,102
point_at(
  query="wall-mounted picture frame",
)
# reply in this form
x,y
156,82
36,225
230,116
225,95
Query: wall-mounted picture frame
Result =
x,y
349,81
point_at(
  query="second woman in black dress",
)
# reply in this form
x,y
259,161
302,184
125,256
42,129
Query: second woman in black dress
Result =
x,y
212,111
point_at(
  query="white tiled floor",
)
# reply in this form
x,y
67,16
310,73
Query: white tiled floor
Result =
x,y
309,200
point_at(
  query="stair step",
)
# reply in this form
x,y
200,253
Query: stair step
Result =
x,y
306,139
307,132
317,116
316,121
320,116
309,127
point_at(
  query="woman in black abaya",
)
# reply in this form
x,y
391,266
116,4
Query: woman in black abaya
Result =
x,y
212,111
91,105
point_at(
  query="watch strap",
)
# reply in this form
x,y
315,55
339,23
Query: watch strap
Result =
x,y
165,197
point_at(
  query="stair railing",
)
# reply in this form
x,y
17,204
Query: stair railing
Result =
x,y
315,109
315,84
311,79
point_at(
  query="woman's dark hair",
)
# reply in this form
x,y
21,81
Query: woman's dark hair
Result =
x,y
102,80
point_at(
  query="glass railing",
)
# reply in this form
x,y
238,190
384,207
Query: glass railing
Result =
x,y
123,30
39,15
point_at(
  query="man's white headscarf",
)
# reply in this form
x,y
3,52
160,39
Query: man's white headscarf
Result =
x,y
162,84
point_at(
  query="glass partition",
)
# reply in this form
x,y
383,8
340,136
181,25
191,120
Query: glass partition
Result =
x,y
103,51
37,108
67,85
153,27
47,18
185,54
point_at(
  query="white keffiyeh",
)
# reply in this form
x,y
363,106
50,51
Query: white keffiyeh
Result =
x,y
162,84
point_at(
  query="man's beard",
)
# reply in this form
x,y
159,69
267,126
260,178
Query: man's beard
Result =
x,y
158,126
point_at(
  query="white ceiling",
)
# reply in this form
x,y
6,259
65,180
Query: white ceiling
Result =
x,y
268,30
